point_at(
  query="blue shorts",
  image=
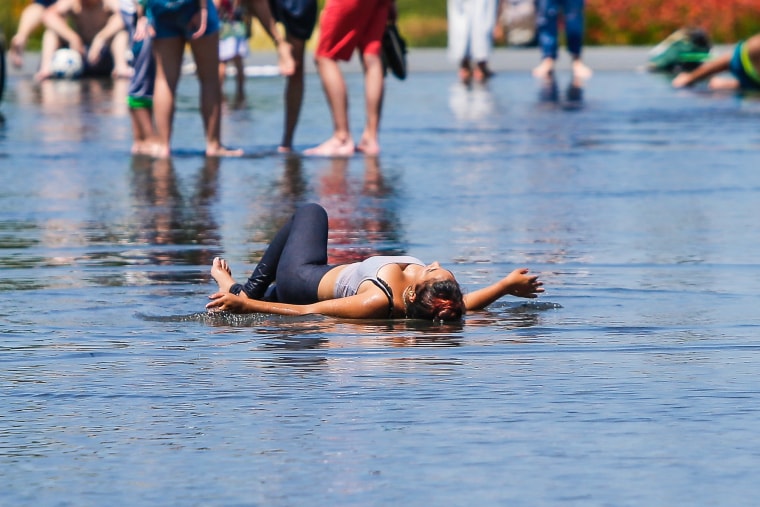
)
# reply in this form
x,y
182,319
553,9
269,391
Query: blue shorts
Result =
x,y
177,23
143,63
298,16
45,3
738,67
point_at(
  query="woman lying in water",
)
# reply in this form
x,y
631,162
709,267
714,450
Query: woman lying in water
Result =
x,y
378,287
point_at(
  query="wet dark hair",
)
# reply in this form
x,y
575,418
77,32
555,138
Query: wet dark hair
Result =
x,y
440,300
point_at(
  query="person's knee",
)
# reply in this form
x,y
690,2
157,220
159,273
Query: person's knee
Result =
x,y
312,209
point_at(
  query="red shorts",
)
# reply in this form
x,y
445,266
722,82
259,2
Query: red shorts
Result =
x,y
349,24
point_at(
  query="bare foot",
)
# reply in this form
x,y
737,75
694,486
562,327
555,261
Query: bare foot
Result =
x,y
284,149
222,274
147,147
285,60
482,73
544,69
465,74
581,70
157,150
333,147
222,151
369,146
17,53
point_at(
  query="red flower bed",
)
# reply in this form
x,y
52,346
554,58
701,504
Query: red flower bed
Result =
x,y
650,21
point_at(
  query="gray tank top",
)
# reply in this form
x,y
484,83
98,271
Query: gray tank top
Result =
x,y
355,274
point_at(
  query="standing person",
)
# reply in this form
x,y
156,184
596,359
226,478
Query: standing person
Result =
x,y
376,288
31,18
299,18
174,24
233,43
471,27
347,25
548,13
94,28
140,93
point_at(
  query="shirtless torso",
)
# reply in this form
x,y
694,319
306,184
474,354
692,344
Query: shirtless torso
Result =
x,y
90,16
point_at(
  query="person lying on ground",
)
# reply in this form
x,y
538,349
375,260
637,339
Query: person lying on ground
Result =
x,y
294,278
743,63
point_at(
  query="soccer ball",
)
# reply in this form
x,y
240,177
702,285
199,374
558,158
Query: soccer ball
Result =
x,y
66,64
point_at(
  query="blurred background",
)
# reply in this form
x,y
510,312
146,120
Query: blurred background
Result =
x,y
608,22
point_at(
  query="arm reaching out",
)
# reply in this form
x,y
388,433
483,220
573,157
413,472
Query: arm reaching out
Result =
x,y
707,69
366,305
518,283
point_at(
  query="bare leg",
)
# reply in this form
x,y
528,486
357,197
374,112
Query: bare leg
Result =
x,y
239,79
31,18
143,131
206,54
374,82
285,61
222,76
341,144
119,45
544,69
50,44
168,54
294,90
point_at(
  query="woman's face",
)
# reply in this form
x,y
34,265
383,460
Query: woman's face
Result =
x,y
434,273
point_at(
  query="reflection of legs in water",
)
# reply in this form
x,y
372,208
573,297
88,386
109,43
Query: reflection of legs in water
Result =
x,y
549,91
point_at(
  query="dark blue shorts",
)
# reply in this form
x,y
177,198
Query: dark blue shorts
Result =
x,y
177,23
298,16
45,3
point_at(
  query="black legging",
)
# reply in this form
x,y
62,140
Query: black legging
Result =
x,y
296,258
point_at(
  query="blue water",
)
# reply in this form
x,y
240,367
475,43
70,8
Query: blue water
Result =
x,y
631,382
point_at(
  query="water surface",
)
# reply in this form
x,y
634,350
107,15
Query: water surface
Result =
x,y
632,381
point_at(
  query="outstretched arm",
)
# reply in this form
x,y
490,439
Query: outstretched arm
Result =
x,y
707,69
367,305
518,283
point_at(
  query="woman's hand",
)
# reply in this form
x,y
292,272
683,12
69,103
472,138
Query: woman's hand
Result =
x,y
226,302
523,285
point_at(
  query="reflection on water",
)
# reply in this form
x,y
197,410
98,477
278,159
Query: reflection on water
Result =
x,y
120,388
472,102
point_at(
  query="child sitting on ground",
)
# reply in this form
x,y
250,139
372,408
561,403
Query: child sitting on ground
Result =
x,y
93,28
